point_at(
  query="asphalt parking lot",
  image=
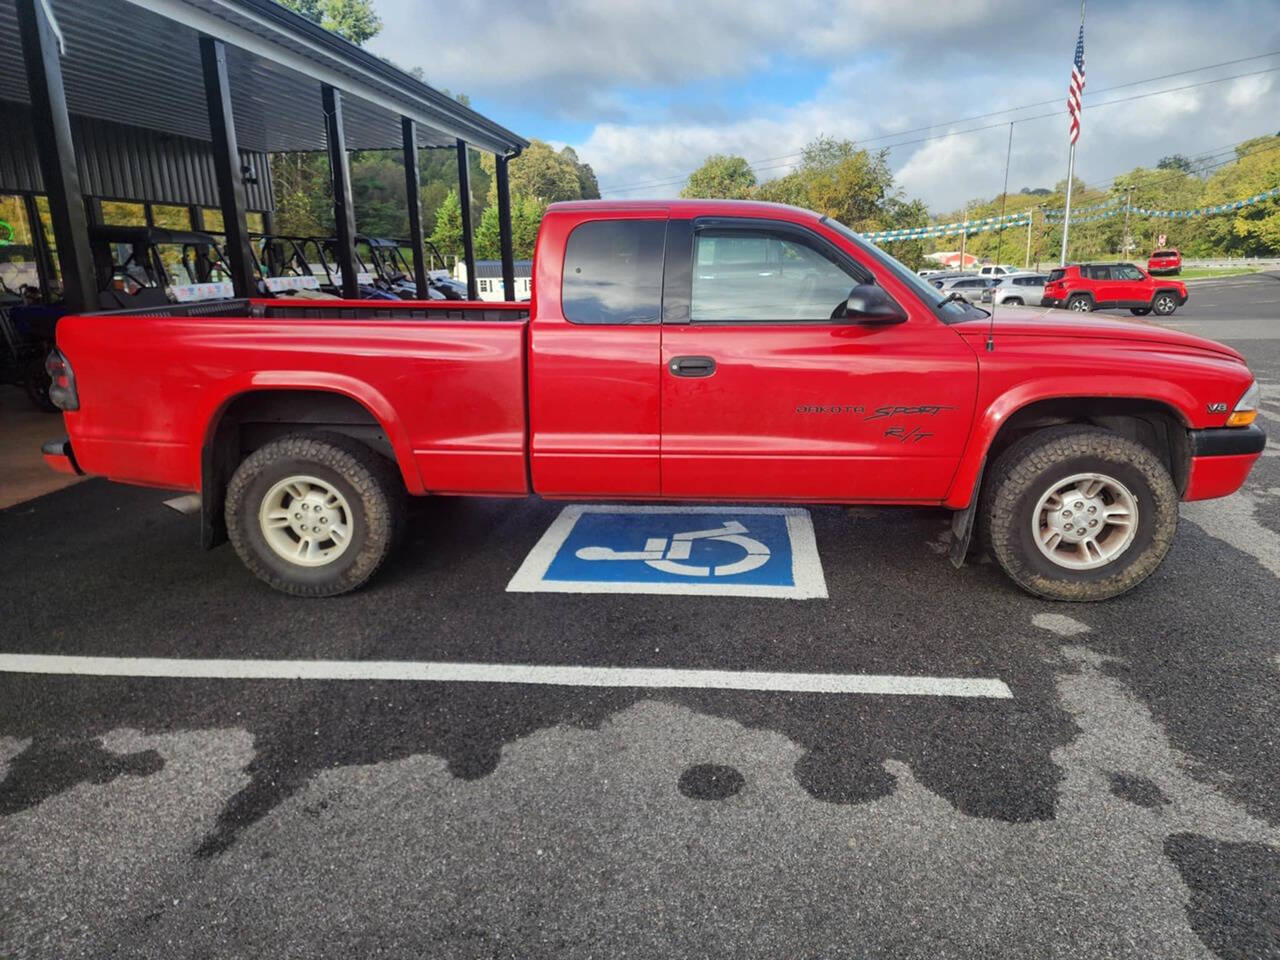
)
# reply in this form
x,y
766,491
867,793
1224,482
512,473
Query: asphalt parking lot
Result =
x,y
1122,801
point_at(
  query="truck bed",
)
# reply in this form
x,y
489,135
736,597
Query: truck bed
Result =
x,y
445,380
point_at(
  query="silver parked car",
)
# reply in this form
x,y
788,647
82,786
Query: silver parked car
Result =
x,y
970,287
1020,288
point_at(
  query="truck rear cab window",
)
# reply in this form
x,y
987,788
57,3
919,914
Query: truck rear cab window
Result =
x,y
613,272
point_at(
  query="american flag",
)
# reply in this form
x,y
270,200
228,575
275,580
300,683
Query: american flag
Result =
x,y
1076,91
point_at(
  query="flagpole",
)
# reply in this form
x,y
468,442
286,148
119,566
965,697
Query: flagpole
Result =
x,y
1071,173
1066,213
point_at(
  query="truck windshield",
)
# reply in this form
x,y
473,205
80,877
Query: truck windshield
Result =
x,y
948,311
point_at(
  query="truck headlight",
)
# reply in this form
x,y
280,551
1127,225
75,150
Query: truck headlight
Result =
x,y
1246,410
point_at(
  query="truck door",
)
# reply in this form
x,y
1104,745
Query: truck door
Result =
x,y
765,396
594,356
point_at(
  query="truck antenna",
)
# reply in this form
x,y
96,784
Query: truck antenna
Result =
x,y
1004,202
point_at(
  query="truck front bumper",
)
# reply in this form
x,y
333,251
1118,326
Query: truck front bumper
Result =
x,y
1221,459
58,455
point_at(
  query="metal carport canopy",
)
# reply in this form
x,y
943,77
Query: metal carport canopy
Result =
x,y
138,62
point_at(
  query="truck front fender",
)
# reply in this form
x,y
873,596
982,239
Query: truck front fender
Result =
x,y
990,420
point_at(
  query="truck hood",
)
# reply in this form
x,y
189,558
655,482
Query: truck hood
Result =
x,y
1065,325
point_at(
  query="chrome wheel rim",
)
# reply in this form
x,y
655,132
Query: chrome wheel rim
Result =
x,y
1164,304
1080,306
306,521
1085,521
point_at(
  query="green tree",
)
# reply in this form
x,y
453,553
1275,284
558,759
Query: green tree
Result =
x,y
790,189
1175,161
588,186
544,174
303,193
1253,230
447,232
836,178
721,177
526,217
488,239
354,20
846,183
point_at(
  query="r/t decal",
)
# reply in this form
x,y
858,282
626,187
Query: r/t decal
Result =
x,y
905,435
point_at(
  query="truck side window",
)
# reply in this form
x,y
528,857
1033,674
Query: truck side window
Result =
x,y
613,272
760,276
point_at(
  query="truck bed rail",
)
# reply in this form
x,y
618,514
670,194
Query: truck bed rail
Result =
x,y
335,310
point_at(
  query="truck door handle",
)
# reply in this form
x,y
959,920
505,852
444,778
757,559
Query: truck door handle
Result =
x,y
692,366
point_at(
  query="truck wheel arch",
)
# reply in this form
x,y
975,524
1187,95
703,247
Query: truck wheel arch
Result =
x,y
247,419
1156,422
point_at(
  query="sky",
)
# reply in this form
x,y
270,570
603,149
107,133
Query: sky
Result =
x,y
644,91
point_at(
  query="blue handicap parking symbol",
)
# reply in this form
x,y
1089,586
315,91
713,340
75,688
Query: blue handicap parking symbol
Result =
x,y
735,551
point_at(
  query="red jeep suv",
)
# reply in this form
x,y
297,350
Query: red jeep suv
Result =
x,y
1104,286
1164,261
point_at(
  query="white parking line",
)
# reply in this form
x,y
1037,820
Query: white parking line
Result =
x,y
566,676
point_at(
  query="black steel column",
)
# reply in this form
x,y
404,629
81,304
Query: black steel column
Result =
x,y
44,263
93,211
52,128
464,201
504,229
412,190
344,214
196,213
226,166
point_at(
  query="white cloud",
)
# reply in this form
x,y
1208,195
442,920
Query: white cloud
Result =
x,y
651,78
1247,91
571,51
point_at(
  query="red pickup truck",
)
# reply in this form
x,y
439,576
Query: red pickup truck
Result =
x,y
682,350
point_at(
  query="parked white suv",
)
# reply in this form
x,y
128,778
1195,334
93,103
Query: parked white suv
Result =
x,y
1019,288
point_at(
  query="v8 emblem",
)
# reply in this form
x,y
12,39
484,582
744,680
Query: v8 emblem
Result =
x,y
1217,407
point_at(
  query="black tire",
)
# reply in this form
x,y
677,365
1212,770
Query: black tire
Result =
x,y
1030,467
1015,301
1139,311
36,382
370,484
1080,303
1164,303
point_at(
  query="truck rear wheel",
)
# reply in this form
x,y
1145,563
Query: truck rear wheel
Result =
x,y
1079,513
314,514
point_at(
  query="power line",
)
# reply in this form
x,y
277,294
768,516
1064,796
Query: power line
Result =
x,y
888,136
992,126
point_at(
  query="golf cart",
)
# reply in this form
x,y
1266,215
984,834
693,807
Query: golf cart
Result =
x,y
22,351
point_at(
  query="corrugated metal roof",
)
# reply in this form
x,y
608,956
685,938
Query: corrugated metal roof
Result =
x,y
118,162
137,62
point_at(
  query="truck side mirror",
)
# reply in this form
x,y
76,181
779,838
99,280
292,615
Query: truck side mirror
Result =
x,y
870,304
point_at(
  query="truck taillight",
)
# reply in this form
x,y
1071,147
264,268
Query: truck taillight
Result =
x,y
62,390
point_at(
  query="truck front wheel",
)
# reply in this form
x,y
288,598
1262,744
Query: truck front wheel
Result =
x,y
1079,513
314,515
